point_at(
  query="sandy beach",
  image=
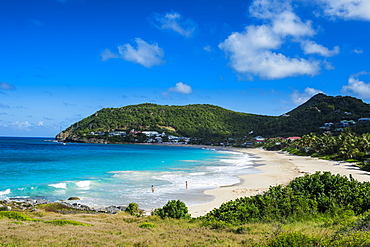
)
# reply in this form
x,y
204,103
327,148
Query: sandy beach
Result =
x,y
276,168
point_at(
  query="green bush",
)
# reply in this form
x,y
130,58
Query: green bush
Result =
x,y
133,209
173,209
304,198
147,225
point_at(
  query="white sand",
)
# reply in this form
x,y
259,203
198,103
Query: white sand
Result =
x,y
277,168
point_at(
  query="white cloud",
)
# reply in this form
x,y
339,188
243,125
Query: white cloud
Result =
x,y
254,52
357,87
288,23
21,125
311,47
107,54
346,9
175,22
300,98
284,20
251,54
146,54
6,86
181,88
358,51
207,48
267,9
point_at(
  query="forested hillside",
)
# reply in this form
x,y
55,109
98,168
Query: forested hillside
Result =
x,y
213,123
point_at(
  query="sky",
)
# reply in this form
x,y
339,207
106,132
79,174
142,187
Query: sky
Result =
x,y
63,60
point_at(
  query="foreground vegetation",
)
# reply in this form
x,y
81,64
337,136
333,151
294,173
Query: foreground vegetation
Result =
x,y
315,210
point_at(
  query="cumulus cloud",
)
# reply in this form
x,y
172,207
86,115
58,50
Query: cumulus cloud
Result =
x,y
175,22
288,23
181,88
284,20
146,54
346,9
6,86
254,52
251,54
357,87
300,98
311,47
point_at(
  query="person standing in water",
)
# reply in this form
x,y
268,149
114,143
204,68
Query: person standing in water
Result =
x,y
152,188
186,184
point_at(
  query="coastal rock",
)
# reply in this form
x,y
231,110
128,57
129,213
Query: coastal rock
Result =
x,y
73,198
41,201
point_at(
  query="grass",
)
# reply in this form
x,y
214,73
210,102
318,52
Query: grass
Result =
x,y
123,229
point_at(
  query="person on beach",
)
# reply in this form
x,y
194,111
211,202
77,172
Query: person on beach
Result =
x,y
152,188
186,184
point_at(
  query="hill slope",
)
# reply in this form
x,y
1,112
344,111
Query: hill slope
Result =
x,y
214,123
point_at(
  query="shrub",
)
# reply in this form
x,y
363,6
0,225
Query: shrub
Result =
x,y
147,225
173,209
133,209
305,197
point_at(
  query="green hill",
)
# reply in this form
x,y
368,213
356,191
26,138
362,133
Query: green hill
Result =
x,y
213,123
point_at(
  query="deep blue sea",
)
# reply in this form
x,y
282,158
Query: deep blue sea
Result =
x,y
104,175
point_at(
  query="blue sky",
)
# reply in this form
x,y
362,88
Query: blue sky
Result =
x,y
63,60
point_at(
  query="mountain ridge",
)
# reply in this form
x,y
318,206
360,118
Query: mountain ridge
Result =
x,y
214,123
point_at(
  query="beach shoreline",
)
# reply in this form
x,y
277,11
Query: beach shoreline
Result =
x,y
277,168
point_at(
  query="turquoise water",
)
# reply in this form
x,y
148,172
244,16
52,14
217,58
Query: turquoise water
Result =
x,y
104,175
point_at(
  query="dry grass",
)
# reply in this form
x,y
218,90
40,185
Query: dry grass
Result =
x,y
124,230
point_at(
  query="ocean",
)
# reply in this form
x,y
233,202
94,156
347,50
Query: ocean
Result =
x,y
105,174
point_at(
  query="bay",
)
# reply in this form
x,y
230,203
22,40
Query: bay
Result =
x,y
102,175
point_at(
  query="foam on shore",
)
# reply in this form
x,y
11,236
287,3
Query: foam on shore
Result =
x,y
275,168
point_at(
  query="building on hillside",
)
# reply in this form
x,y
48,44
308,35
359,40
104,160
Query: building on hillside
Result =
x,y
150,133
259,139
294,138
364,120
117,133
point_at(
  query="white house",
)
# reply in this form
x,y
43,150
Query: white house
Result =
x,y
150,133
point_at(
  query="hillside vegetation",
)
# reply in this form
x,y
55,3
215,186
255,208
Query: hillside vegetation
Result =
x,y
213,123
